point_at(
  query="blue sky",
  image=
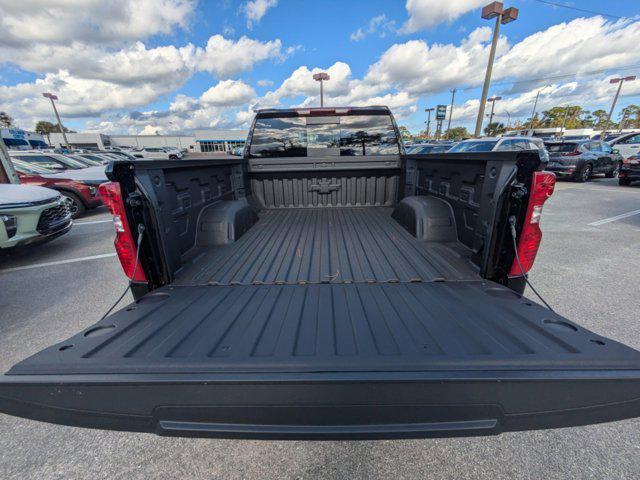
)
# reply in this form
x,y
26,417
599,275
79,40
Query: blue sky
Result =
x,y
146,65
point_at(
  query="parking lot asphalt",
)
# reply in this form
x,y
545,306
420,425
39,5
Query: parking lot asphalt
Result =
x,y
587,269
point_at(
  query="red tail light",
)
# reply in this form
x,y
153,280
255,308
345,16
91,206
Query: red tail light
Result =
x,y
541,188
125,246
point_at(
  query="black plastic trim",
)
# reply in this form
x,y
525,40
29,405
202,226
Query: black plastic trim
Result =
x,y
326,406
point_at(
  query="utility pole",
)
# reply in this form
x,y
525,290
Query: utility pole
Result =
x,y
53,97
321,77
429,110
493,10
453,97
619,81
493,101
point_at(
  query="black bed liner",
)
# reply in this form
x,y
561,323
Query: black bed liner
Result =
x,y
331,328
321,245
324,361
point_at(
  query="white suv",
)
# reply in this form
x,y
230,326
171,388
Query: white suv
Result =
x,y
157,153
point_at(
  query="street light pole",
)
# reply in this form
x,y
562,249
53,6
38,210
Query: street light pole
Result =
x,y
619,81
502,16
535,105
453,97
321,77
429,110
53,97
493,101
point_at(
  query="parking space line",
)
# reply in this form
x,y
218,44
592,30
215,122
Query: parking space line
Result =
x,y
613,219
92,222
59,262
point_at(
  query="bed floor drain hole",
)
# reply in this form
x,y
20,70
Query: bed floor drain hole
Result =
x,y
97,331
65,347
597,342
560,324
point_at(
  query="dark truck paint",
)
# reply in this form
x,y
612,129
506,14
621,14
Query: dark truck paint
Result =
x,y
350,292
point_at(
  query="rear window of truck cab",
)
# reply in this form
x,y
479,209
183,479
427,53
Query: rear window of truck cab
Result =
x,y
335,135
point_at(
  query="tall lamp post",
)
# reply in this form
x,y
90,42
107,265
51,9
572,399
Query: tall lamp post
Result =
x,y
619,81
428,110
493,101
493,10
535,105
321,77
53,97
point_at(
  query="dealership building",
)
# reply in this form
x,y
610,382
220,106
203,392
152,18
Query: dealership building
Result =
x,y
200,141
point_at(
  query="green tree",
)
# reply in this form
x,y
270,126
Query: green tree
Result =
x,y
406,134
6,120
599,118
45,128
630,116
571,116
495,128
457,133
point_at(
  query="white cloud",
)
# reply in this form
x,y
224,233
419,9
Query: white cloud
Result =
x,y
77,97
92,54
90,21
429,13
592,94
379,24
265,83
151,130
225,58
584,44
228,93
422,68
91,81
342,89
256,9
357,35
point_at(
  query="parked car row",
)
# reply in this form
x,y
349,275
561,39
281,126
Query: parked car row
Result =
x,y
577,160
148,153
75,176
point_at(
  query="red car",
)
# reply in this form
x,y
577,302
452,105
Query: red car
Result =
x,y
80,195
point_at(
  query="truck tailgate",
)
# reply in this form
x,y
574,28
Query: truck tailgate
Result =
x,y
329,361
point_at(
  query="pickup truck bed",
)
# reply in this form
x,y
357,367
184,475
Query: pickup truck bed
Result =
x,y
427,326
322,245
328,296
